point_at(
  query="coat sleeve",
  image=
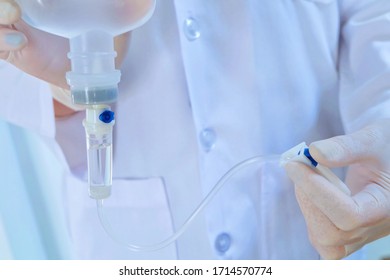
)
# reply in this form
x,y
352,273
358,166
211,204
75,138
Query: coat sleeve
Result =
x,y
364,62
26,101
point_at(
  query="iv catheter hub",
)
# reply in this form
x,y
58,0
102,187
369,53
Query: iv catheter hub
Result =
x,y
99,123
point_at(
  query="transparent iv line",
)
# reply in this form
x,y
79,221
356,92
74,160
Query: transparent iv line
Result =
x,y
164,243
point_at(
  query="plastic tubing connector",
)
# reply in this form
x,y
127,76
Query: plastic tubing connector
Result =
x,y
301,153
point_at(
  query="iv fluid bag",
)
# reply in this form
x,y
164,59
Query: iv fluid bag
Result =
x,y
70,18
90,26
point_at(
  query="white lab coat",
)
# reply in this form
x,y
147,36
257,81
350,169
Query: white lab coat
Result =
x,y
205,85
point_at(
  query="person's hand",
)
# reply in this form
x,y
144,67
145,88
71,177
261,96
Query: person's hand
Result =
x,y
33,51
339,224
41,54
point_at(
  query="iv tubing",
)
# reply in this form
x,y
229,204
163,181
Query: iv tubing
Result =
x,y
143,248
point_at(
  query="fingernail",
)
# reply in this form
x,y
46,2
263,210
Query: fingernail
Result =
x,y
322,150
15,39
6,10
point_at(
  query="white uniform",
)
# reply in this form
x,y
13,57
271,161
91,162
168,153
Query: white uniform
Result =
x,y
205,85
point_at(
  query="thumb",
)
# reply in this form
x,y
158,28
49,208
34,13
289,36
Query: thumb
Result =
x,y
348,149
9,12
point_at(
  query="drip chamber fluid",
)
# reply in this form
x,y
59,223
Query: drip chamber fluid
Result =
x,y
90,25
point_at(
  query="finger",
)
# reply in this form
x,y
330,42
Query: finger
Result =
x,y
322,231
9,12
372,204
315,221
121,47
11,40
332,202
340,251
348,149
332,252
351,248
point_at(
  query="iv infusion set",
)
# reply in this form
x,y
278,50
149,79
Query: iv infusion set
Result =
x,y
90,26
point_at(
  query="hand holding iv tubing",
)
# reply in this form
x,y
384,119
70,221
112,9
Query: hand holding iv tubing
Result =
x,y
339,220
338,223
298,153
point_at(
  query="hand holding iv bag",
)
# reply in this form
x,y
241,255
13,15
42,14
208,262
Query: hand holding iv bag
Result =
x,y
90,25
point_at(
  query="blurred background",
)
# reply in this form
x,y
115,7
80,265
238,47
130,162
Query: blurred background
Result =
x,y
32,221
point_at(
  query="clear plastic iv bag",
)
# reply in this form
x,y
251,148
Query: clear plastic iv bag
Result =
x,y
71,18
90,25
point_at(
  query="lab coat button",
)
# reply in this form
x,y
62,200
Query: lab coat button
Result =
x,y
208,137
191,29
223,242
